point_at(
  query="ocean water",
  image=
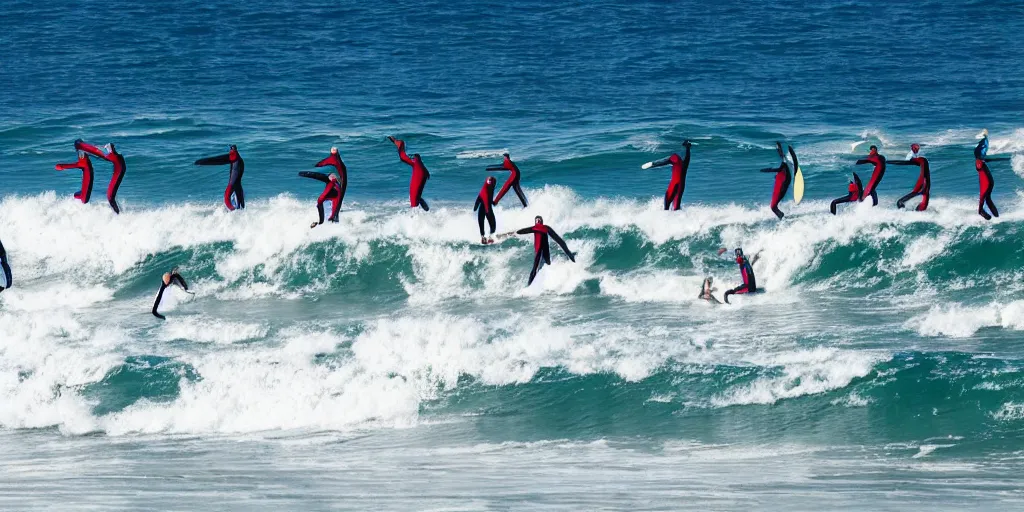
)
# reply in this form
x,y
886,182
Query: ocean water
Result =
x,y
390,362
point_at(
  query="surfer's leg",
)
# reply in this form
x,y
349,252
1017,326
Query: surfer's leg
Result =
x,y
669,195
480,219
985,197
838,201
901,202
491,221
536,266
519,192
924,201
320,211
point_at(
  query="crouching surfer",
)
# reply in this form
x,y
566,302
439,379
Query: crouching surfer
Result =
x,y
746,273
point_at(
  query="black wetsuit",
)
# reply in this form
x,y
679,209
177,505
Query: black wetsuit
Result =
x,y
541,250
175,279
6,268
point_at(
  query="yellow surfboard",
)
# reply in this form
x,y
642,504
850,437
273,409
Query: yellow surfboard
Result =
x,y
798,186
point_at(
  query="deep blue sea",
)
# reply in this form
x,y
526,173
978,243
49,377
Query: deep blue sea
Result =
x,y
391,362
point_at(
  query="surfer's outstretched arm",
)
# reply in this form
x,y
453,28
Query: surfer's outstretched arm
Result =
x,y
224,159
400,144
319,176
561,243
525,231
775,169
69,166
662,162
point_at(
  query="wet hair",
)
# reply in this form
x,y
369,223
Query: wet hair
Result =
x,y
873,148
538,219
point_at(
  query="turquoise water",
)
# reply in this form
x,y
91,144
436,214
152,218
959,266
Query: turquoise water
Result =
x,y
391,362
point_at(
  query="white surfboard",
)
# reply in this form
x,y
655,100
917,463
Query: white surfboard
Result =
x,y
798,186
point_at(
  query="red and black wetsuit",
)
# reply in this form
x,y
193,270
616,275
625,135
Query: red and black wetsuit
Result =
x,y
5,268
856,191
176,279
119,168
985,181
512,181
783,177
677,184
484,206
420,175
876,176
749,281
541,250
922,187
234,187
334,160
85,165
334,191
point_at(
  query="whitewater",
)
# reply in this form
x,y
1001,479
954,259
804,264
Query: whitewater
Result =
x,y
391,362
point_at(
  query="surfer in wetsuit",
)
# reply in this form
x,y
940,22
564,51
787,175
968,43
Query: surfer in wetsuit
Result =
x,y
923,186
747,273
111,155
856,191
512,181
878,161
985,181
677,184
5,269
706,291
420,175
541,249
234,187
172,277
334,159
783,177
484,207
334,191
85,165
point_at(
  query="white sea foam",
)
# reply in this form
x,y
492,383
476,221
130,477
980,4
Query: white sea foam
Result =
x,y
958,321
